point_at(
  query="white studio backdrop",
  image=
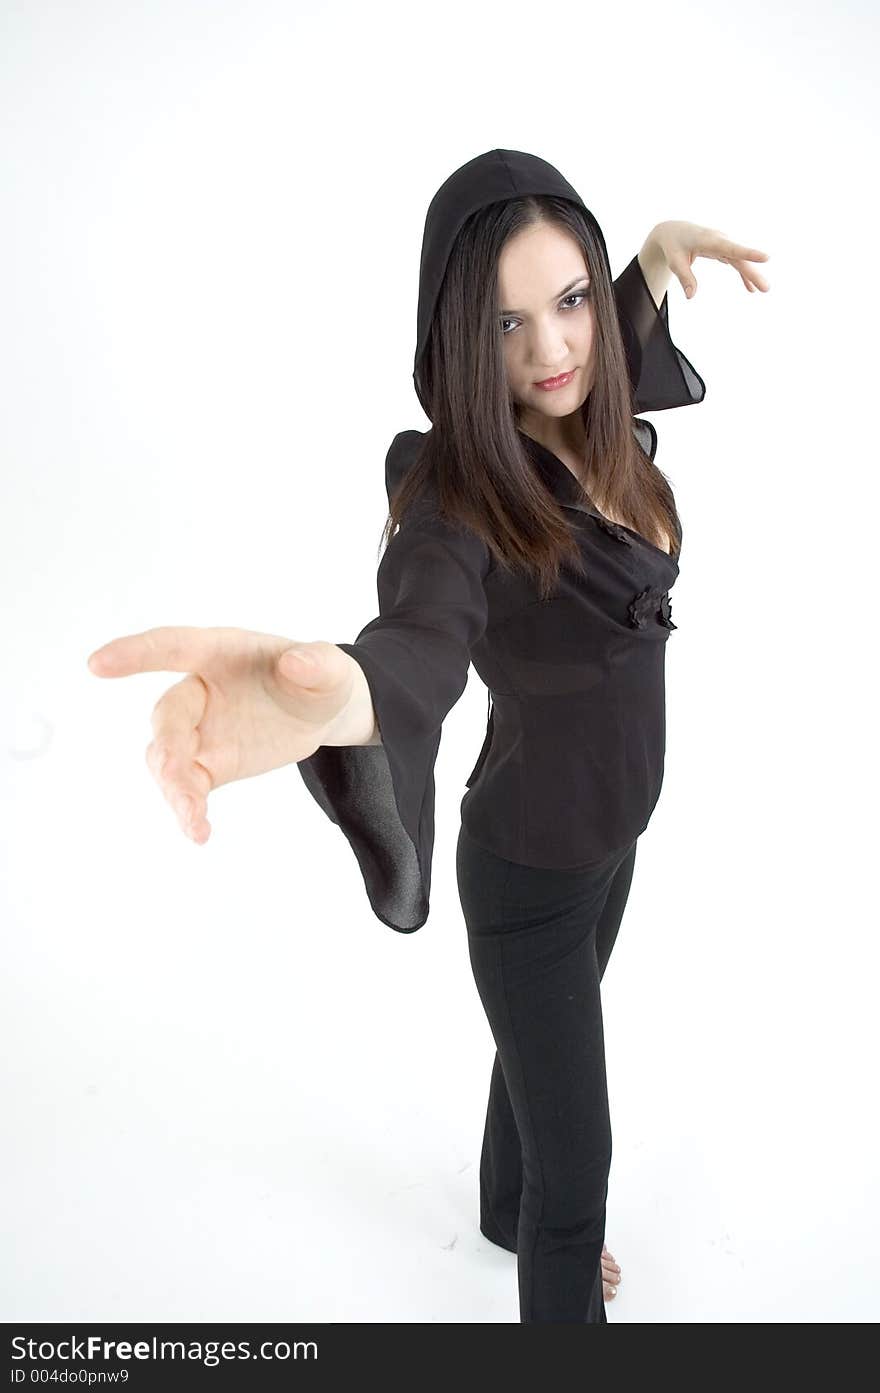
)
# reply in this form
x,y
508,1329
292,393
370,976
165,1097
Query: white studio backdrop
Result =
x,y
230,1092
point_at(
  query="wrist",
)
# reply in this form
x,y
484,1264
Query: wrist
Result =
x,y
356,723
654,265
655,243
652,249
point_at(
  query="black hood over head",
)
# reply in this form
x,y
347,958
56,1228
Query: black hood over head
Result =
x,y
494,177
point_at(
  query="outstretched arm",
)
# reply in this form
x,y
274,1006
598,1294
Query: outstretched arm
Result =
x,y
672,247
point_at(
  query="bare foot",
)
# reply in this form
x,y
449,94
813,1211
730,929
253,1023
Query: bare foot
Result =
x,y
610,1274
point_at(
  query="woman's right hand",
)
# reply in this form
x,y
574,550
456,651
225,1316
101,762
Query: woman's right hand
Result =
x,y
238,713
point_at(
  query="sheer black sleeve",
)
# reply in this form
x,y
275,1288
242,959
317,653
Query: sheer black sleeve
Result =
x,y
661,375
415,656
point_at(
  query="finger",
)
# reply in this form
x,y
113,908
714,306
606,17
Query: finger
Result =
x,y
722,249
186,794
680,267
734,252
750,278
172,754
172,648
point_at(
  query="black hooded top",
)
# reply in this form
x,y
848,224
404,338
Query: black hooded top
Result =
x,y
572,763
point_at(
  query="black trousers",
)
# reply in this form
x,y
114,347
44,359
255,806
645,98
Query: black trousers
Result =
x,y
539,941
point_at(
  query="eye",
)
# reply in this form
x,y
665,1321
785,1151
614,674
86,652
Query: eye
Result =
x,y
579,295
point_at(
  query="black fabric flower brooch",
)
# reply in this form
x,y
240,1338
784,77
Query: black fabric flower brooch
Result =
x,y
651,601
665,614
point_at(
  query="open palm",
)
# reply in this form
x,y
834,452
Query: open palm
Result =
x,y
240,711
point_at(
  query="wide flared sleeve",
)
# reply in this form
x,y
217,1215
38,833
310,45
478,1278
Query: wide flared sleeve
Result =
x,y
415,656
660,374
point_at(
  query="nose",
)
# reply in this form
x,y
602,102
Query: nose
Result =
x,y
550,354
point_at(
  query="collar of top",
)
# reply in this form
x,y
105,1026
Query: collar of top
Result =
x,y
568,492
557,476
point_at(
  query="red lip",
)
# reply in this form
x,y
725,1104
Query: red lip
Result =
x,y
550,383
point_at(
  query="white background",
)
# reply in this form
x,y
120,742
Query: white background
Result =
x,y
230,1092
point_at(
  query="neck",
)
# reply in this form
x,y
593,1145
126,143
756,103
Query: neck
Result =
x,y
563,436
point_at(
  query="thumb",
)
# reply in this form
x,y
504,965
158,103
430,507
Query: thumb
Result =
x,y
312,681
298,661
312,664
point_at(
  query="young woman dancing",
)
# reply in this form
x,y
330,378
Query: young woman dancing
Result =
x,y
529,533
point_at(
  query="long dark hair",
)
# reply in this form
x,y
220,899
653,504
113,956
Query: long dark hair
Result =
x,y
473,458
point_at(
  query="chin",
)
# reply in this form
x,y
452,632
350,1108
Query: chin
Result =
x,y
556,404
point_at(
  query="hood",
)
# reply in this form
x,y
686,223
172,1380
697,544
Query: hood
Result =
x,y
490,178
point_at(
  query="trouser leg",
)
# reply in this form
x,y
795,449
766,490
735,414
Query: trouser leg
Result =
x,y
532,944
501,1174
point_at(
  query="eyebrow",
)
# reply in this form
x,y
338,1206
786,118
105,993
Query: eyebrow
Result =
x,y
564,291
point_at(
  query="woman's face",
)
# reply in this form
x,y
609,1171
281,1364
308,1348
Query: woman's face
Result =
x,y
547,323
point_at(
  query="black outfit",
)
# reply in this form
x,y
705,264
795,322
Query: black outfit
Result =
x,y
572,763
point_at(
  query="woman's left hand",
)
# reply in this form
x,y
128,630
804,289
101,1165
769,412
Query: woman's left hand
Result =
x,y
682,242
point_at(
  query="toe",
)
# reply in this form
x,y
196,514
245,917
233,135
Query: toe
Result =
x,y
610,1274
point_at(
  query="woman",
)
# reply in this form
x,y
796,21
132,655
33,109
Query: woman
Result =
x,y
536,538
